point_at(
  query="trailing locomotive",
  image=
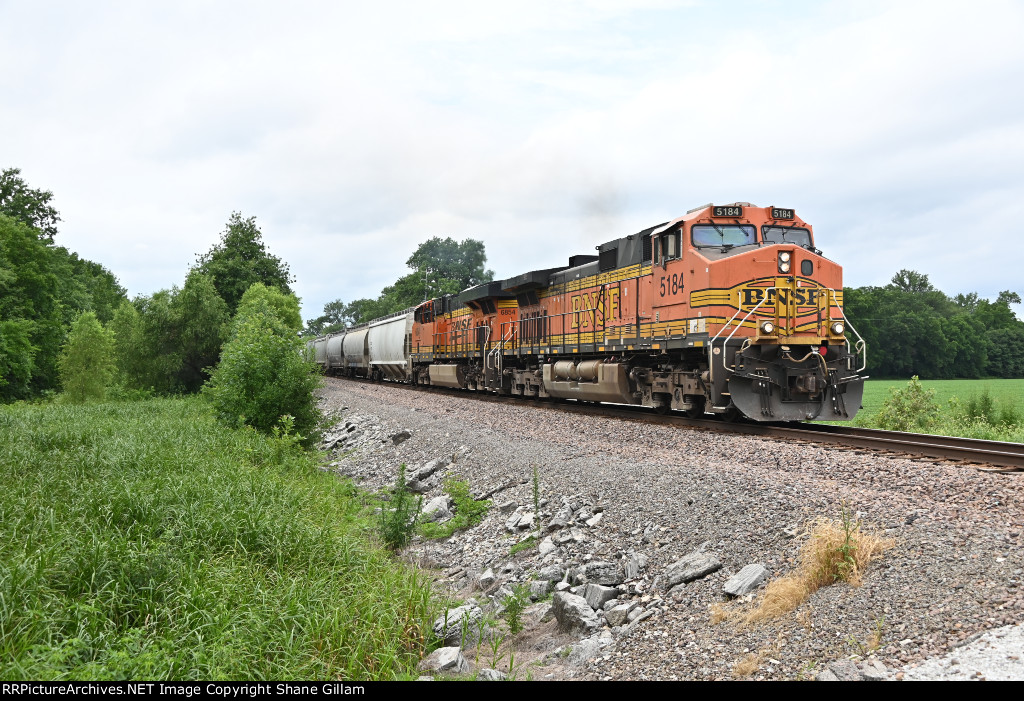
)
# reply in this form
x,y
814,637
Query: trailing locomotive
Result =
x,y
728,310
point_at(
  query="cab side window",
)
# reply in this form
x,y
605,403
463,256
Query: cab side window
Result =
x,y
667,247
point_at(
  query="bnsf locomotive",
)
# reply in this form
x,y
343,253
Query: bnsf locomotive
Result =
x,y
728,310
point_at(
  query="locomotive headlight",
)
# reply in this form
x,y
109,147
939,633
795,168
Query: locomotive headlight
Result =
x,y
838,328
767,327
784,257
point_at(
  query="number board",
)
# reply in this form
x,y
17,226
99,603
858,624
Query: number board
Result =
x,y
779,213
727,212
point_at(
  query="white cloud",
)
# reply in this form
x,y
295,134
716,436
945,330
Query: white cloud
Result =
x,y
356,131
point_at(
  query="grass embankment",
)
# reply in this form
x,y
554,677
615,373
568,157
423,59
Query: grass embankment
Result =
x,y
142,540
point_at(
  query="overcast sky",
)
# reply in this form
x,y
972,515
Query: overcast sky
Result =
x,y
353,131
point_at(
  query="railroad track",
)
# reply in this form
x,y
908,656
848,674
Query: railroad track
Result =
x,y
993,456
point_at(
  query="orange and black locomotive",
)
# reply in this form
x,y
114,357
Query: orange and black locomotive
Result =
x,y
728,310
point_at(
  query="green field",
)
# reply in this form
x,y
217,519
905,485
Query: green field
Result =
x,y
1010,392
986,409
143,540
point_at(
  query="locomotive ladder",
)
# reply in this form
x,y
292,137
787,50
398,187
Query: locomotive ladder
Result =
x,y
495,358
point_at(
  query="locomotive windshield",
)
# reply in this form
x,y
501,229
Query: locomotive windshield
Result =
x,y
723,234
786,234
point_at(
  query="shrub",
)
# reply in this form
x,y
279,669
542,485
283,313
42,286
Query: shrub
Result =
x,y
985,409
912,408
86,363
263,376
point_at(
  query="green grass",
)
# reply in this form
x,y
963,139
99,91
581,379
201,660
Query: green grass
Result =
x,y
1002,391
468,511
144,541
522,545
953,399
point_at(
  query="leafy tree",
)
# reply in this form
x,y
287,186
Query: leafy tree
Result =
x,y
263,374
1005,352
29,302
97,288
166,342
31,207
154,340
87,360
911,281
17,358
441,266
200,318
460,263
130,359
337,315
43,289
285,306
913,329
241,259
364,310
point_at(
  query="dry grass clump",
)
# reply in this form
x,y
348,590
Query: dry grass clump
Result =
x,y
748,664
835,551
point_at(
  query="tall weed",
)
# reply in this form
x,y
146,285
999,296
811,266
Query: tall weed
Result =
x,y
398,517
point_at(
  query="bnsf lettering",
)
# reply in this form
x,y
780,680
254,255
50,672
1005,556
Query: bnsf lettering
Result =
x,y
588,308
460,324
801,295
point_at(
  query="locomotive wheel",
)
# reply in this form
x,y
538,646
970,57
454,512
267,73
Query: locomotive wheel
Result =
x,y
696,411
732,415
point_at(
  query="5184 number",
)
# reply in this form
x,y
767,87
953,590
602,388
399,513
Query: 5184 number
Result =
x,y
671,284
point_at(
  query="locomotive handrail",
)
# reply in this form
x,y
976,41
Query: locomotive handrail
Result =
x,y
861,346
725,343
497,351
499,348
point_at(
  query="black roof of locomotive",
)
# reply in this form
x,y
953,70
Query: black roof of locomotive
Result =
x,y
484,291
629,250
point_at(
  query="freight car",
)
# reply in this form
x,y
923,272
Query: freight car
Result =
x,y
727,310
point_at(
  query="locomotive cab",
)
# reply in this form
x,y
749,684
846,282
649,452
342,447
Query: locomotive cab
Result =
x,y
779,351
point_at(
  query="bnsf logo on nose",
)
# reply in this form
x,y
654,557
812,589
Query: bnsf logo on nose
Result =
x,y
752,296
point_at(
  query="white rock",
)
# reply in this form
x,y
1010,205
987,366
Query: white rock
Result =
x,y
444,659
574,613
746,580
546,547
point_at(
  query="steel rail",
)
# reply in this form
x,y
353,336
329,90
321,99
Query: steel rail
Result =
x,y
987,455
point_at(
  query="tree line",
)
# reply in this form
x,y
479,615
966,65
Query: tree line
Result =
x,y
230,331
43,288
911,328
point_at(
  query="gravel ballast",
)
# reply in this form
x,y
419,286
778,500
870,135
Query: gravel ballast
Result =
x,y
637,498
